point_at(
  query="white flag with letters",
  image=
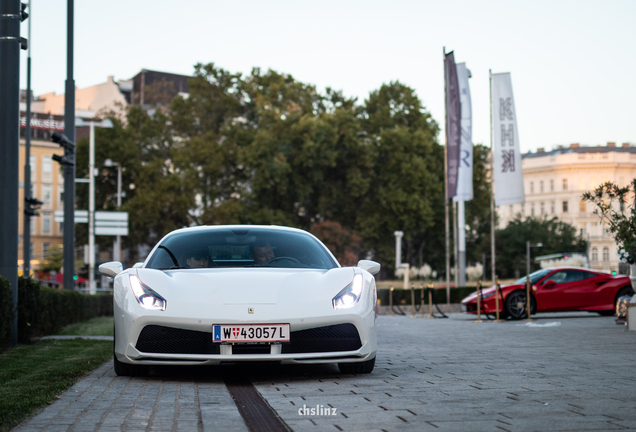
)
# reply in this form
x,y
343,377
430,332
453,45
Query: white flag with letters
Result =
x,y
465,175
508,175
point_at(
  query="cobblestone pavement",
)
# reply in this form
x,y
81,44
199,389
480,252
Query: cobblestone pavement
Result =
x,y
441,375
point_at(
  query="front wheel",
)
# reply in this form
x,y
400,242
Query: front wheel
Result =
x,y
125,369
364,367
515,305
625,291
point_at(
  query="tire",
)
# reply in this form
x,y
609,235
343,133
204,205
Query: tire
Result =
x,y
364,367
515,305
625,291
125,369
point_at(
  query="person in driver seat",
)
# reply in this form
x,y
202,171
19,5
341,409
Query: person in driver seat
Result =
x,y
198,258
262,252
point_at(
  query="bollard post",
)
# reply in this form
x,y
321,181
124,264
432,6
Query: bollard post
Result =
x,y
430,300
528,299
422,302
497,299
478,301
391,301
413,301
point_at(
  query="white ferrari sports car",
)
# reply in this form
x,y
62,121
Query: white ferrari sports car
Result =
x,y
213,294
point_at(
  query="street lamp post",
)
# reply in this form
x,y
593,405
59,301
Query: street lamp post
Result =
x,y
528,246
106,123
117,246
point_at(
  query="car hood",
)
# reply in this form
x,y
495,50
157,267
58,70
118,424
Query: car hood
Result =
x,y
247,286
472,297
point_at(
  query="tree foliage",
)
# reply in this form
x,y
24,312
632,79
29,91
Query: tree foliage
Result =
x,y
265,148
612,207
555,235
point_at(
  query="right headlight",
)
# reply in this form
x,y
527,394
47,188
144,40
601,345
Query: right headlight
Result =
x,y
147,297
350,295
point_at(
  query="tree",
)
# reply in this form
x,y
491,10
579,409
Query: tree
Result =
x,y
621,221
343,243
404,183
555,235
53,260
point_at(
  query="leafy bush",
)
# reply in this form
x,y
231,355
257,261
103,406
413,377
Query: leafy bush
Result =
x,y
6,312
43,311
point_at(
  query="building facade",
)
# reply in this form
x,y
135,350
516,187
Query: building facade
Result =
x,y
47,185
554,182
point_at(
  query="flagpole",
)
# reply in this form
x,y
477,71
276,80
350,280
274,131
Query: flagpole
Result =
x,y
455,244
492,182
447,238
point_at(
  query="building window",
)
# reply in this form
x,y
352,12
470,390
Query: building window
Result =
x,y
541,185
565,206
46,193
552,207
532,209
542,208
46,224
45,247
621,206
594,254
61,195
605,254
582,183
582,206
523,209
565,184
551,185
582,231
531,187
47,165
33,161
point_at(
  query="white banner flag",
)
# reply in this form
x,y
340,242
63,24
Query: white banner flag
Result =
x,y
508,175
465,176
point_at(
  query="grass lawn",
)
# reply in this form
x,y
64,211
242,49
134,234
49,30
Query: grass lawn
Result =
x,y
101,326
33,375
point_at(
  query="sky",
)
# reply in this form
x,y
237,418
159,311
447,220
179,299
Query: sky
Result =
x,y
572,62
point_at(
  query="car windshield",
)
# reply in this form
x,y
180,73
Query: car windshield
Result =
x,y
240,247
534,277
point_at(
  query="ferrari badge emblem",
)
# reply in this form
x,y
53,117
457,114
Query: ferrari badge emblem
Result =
x,y
250,310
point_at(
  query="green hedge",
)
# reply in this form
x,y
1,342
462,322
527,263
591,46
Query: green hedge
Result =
x,y
401,296
6,312
44,311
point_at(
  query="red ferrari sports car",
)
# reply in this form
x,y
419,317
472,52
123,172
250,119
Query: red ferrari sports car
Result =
x,y
555,289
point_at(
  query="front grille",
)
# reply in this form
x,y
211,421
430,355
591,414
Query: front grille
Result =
x,y
168,340
251,349
340,337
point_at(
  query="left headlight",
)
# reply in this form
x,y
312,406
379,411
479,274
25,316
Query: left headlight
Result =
x,y
146,296
350,295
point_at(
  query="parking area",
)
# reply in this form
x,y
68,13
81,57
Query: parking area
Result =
x,y
568,371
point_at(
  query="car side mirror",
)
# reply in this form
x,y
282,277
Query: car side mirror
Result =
x,y
370,266
138,265
111,269
549,284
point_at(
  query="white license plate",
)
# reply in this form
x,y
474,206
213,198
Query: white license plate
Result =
x,y
250,333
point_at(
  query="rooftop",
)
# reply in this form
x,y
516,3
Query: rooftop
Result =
x,y
577,148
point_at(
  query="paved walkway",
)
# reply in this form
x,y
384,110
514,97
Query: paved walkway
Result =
x,y
442,375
